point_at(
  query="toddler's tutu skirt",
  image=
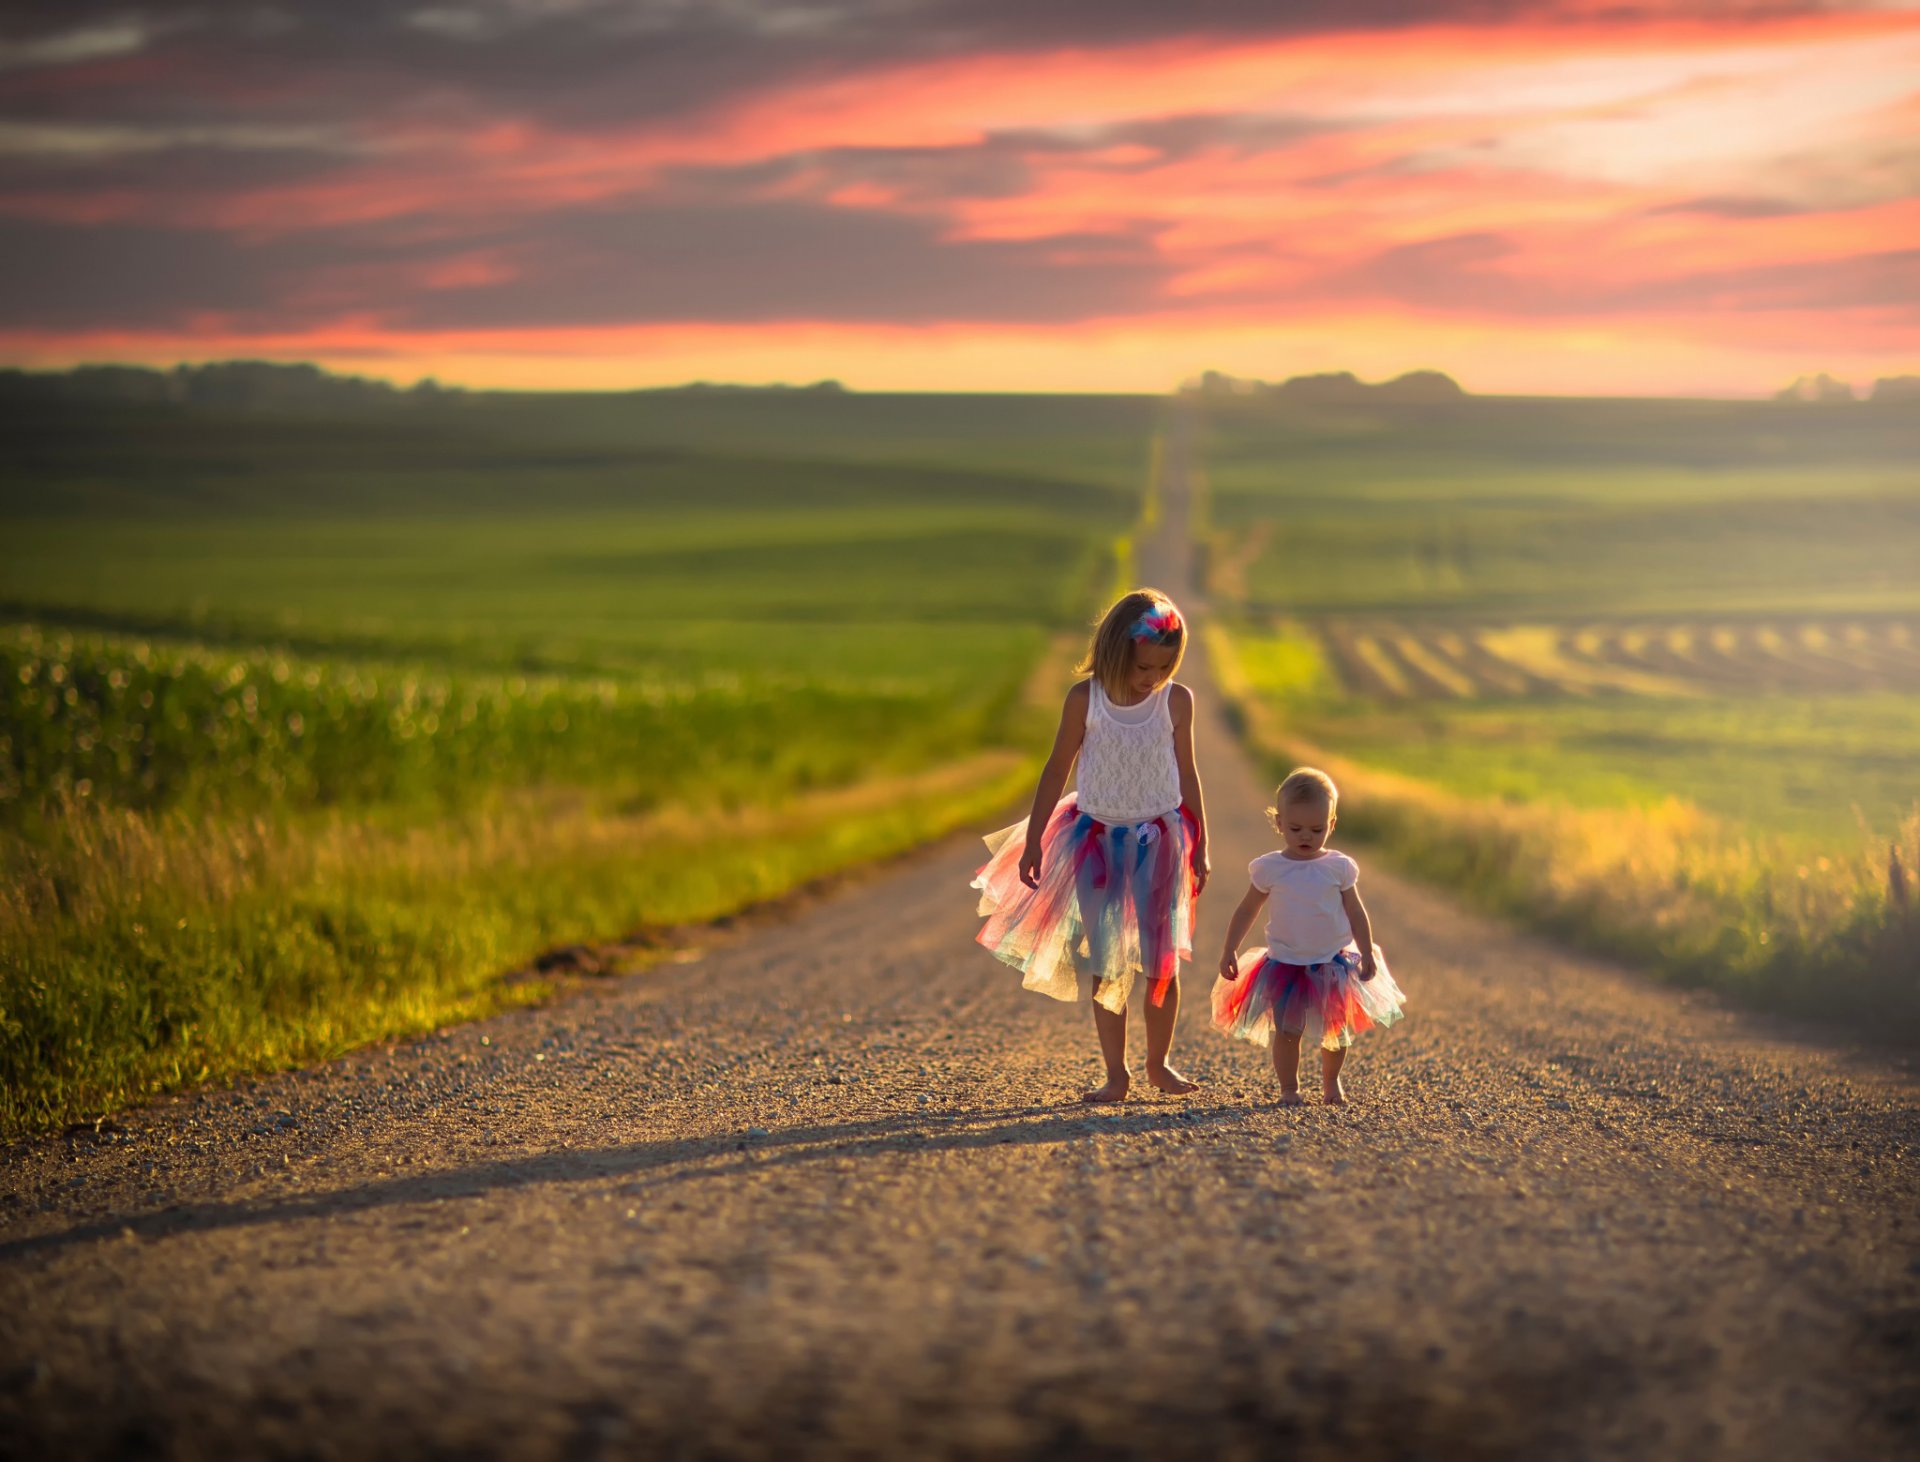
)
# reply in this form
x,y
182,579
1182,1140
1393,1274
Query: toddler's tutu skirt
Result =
x,y
1329,1001
1115,901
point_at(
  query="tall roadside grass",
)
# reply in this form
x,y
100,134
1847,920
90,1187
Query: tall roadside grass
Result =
x,y
288,903
140,952
1687,895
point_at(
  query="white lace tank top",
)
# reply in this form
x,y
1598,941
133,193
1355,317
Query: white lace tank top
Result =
x,y
1128,772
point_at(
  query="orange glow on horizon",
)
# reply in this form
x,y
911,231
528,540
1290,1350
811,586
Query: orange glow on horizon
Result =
x,y
1601,358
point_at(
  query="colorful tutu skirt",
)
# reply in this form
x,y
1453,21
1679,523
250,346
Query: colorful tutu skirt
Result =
x,y
1115,901
1327,1000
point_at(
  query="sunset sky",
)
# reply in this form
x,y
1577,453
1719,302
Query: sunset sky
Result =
x,y
1699,198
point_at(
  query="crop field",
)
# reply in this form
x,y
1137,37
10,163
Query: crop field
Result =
x,y
1629,634
495,591
1397,661
1632,595
758,635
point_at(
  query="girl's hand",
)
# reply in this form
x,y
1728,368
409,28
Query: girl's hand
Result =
x,y
1368,969
1030,866
1230,966
1202,868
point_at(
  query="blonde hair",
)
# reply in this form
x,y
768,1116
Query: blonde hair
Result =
x,y
1109,655
1303,784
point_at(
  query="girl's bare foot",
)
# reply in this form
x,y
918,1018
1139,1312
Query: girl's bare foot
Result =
x,y
1334,1093
1292,1098
1169,1080
1114,1091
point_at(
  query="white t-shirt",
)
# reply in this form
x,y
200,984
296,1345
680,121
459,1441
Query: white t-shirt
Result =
x,y
1306,922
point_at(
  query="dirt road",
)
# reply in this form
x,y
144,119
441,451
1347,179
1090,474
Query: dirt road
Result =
x,y
828,1192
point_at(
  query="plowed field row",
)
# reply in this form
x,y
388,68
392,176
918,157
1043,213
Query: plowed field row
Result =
x,y
1386,660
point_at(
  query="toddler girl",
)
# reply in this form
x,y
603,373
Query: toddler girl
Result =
x,y
1320,969
1099,886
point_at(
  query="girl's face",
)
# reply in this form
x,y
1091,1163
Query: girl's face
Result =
x,y
1148,667
1306,825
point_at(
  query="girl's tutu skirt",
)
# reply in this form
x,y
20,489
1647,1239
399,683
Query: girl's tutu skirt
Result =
x,y
1115,901
1328,1000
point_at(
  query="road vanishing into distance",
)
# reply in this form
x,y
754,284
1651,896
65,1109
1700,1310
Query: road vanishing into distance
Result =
x,y
824,1188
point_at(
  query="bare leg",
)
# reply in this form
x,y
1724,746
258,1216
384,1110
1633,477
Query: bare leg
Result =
x,y
1112,1026
1160,1019
1331,1091
1286,1066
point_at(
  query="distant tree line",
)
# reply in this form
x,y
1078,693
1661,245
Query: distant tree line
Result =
x,y
1824,387
1336,387
233,385
726,388
1333,387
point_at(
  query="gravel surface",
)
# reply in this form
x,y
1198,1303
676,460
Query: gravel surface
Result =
x,y
828,1191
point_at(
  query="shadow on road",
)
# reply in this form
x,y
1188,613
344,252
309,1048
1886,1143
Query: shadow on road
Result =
x,y
664,1164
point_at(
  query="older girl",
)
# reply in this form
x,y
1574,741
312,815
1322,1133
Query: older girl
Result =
x,y
1098,886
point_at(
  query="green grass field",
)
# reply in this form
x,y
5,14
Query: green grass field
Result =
x,y
555,535
1574,633
1597,601
1817,766
1511,508
312,726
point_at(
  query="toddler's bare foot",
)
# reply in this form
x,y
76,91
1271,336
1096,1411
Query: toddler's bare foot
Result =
x,y
1334,1093
1292,1098
1169,1080
1114,1091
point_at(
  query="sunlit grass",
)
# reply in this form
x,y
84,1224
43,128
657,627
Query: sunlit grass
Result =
x,y
1624,861
151,723
145,952
1818,771
310,730
1644,673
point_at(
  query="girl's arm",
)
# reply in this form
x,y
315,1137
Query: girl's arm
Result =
x,y
1362,928
1053,779
1182,708
1237,927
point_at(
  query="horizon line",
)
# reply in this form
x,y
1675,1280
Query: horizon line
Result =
x,y
838,385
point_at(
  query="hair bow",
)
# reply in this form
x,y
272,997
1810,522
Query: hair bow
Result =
x,y
1157,623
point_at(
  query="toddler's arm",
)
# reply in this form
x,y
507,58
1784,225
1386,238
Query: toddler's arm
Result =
x,y
1362,928
1053,779
1237,926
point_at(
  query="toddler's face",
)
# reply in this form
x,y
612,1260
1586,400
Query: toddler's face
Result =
x,y
1149,668
1306,826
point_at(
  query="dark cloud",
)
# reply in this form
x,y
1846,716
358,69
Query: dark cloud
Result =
x,y
1731,207
787,260
1183,136
995,168
716,259
1882,281
599,267
715,243
615,60
67,277
1003,164
1464,273
192,170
